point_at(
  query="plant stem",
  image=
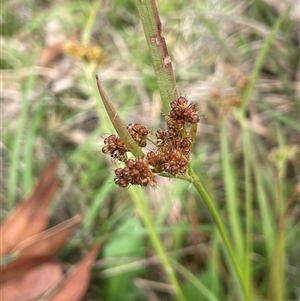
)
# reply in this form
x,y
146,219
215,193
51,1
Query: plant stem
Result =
x,y
247,147
142,207
232,203
17,144
246,97
260,60
159,53
87,32
209,203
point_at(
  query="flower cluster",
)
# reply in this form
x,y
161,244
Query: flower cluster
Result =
x,y
182,111
139,133
115,147
136,172
172,151
86,52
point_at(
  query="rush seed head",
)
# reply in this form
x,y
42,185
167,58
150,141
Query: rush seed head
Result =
x,y
175,163
115,147
136,172
182,111
139,133
172,151
155,160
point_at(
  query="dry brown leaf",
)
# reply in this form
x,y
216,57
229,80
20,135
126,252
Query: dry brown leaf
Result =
x,y
32,284
50,53
38,248
75,285
30,217
34,272
47,243
19,270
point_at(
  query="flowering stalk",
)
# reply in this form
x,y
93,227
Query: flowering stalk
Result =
x,y
165,78
159,52
216,217
171,154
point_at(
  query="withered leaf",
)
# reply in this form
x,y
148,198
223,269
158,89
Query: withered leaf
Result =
x,y
30,217
33,283
38,247
75,285
49,54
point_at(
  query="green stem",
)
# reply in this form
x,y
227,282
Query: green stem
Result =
x,y
159,53
86,35
197,283
213,211
248,200
16,146
230,186
142,207
246,97
260,60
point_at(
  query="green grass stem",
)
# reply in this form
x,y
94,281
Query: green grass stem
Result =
x,y
141,205
96,204
265,212
216,217
199,285
247,150
229,178
29,146
260,60
277,115
246,97
86,34
16,150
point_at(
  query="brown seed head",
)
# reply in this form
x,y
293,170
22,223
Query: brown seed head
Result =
x,y
136,172
156,160
175,163
139,133
182,111
115,147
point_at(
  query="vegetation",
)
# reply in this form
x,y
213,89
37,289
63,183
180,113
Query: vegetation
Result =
x,y
230,231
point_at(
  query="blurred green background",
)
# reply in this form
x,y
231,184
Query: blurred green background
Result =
x,y
50,107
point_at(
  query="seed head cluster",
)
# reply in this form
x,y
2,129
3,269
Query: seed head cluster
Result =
x,y
183,111
85,52
172,151
139,133
136,172
115,147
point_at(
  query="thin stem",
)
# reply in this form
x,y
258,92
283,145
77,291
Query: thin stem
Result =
x,y
86,35
197,283
151,140
142,207
260,60
17,144
248,200
230,186
246,97
209,203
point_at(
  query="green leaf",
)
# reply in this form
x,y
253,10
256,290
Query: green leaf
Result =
x,y
126,242
118,123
